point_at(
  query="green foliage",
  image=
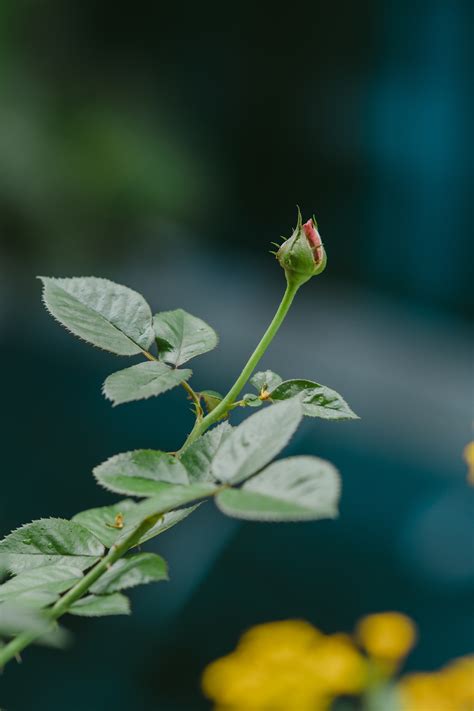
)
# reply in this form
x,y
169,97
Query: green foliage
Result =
x,y
79,566
101,605
49,540
181,336
50,579
317,400
293,489
102,522
256,441
265,380
141,381
169,498
198,457
140,473
108,315
17,619
130,572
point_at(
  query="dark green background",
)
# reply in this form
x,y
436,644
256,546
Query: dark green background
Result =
x,y
165,146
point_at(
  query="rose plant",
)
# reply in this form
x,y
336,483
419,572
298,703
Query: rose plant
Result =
x,y
81,567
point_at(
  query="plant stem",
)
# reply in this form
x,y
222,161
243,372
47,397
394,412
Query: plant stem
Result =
x,y
223,407
13,648
62,606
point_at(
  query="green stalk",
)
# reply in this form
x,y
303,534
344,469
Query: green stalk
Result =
x,y
223,407
62,606
13,648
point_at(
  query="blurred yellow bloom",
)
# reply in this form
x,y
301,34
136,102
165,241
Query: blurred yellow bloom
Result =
x,y
387,636
279,641
449,689
285,665
292,666
423,692
458,682
337,665
469,459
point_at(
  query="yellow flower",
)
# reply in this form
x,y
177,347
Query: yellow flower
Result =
x,y
267,671
469,459
337,665
387,636
424,692
458,681
278,640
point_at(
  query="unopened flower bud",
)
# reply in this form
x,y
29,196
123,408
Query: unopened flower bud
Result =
x,y
302,256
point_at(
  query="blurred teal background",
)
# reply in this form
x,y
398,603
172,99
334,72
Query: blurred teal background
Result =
x,y
165,146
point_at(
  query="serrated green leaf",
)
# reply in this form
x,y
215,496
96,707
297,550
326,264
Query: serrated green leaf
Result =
x,y
211,399
265,380
166,521
50,540
197,458
130,572
256,442
143,472
17,618
48,578
252,400
36,599
168,499
181,336
317,400
102,521
141,381
101,605
293,489
101,312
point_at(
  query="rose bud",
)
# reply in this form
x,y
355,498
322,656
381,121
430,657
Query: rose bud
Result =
x,y
302,256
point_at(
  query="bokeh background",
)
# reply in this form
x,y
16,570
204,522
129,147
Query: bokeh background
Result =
x,y
165,146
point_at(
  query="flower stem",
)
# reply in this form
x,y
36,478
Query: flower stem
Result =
x,y
63,605
225,405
